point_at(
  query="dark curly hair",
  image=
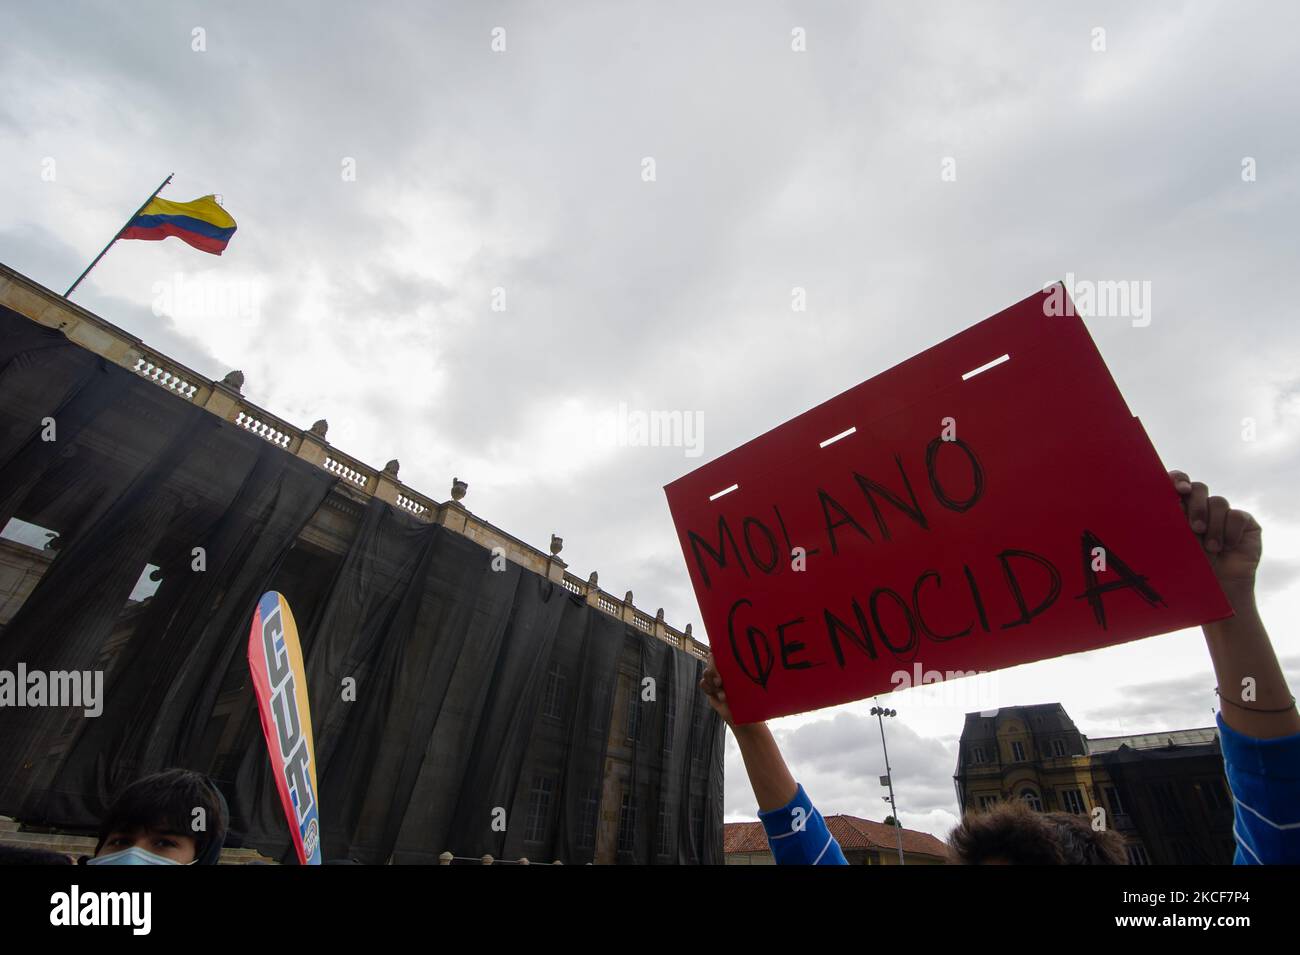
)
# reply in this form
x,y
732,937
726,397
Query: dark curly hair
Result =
x,y
168,799
1011,833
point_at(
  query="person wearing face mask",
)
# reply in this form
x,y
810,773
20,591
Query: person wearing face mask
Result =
x,y
156,821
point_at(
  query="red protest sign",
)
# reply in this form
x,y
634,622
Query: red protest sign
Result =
x,y
946,513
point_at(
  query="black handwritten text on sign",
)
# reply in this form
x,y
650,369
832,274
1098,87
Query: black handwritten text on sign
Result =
x,y
942,515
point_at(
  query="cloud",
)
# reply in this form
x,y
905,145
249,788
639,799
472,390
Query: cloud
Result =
x,y
521,171
839,762
1175,703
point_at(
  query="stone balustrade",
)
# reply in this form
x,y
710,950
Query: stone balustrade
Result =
x,y
225,399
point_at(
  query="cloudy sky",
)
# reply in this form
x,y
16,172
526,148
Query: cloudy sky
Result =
x,y
395,177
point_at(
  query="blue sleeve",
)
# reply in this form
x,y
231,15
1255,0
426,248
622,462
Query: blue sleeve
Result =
x,y
798,835
1264,776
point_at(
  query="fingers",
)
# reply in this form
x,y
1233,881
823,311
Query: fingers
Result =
x,y
1198,509
711,682
1221,529
1235,526
1217,510
711,686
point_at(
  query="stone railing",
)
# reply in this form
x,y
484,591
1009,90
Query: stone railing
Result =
x,y
447,858
167,374
225,399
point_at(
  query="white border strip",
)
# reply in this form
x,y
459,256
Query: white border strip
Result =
x,y
982,368
842,434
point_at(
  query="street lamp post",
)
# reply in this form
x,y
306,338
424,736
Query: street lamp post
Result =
x,y
880,712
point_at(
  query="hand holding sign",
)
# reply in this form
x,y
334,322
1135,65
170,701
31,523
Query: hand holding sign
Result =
x,y
1232,539
918,517
711,686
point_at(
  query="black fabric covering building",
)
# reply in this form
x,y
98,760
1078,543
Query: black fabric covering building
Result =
x,y
449,692
1179,800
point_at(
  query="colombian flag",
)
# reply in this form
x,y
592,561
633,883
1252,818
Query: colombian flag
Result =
x,y
202,223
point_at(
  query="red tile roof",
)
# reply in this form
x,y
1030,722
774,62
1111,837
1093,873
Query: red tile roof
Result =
x,y
851,832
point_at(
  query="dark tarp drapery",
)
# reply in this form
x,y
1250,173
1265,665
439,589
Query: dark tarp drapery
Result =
x,y
460,702
1154,785
133,476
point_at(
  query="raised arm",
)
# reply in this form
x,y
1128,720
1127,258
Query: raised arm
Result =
x,y
768,774
1259,728
796,831
1256,699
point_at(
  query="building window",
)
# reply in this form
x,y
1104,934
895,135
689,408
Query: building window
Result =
x,y
1216,799
1017,752
1072,800
553,708
1058,747
697,725
978,756
587,827
633,716
1165,793
1031,797
539,808
987,802
665,828
1137,855
627,824
1116,804
670,719
600,711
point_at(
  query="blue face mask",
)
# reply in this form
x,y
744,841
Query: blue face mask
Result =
x,y
132,856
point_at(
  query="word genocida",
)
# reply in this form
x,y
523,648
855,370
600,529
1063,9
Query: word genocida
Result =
x,y
884,619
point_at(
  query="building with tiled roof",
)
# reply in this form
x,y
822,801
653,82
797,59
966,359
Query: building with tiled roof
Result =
x,y
864,843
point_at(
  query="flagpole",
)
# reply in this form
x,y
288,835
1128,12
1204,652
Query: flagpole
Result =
x,y
74,285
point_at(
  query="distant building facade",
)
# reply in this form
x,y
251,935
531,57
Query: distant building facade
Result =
x,y
1164,793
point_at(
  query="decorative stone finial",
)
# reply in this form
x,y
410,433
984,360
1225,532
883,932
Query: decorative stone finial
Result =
x,y
557,545
458,488
659,617
688,630
234,380
628,599
592,581
391,468
320,428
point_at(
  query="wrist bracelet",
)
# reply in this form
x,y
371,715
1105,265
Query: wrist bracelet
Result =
x,y
1255,709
